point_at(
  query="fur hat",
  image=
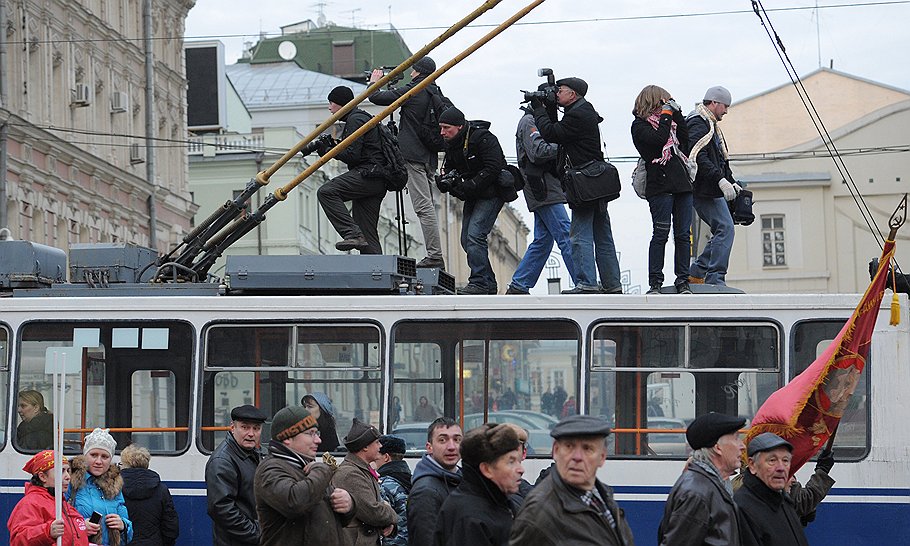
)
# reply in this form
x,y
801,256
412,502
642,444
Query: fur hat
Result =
x,y
425,65
452,116
100,438
719,94
360,436
290,422
487,443
341,95
392,444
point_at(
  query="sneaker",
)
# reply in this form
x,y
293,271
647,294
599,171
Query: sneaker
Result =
x,y
476,290
579,289
358,242
696,280
432,262
654,289
511,290
683,288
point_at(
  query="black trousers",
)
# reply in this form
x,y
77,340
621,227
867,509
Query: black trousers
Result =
x,y
365,195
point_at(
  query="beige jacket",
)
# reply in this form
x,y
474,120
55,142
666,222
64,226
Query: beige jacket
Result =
x,y
372,514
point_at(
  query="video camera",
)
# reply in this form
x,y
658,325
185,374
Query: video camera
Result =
x,y
385,70
547,93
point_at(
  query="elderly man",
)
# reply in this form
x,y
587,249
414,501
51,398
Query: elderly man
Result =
x,y
373,517
435,476
229,476
767,513
295,502
700,508
570,505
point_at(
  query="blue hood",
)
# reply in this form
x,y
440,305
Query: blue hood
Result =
x,y
428,467
323,401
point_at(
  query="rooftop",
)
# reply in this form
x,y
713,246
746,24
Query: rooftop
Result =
x,y
271,85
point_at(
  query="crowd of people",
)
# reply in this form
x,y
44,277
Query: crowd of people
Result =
x,y
685,160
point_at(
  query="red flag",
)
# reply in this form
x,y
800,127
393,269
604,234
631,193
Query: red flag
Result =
x,y
807,410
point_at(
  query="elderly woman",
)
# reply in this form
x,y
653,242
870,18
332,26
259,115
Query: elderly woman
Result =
x,y
479,512
661,137
33,521
148,501
36,431
320,407
96,487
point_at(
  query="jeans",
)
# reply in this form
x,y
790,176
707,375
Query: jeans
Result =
x,y
663,206
477,222
714,259
366,196
551,223
420,190
592,246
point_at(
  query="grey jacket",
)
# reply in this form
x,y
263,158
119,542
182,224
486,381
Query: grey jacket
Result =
x,y
537,161
699,511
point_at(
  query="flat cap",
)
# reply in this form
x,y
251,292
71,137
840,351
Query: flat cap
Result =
x,y
575,84
706,429
580,425
290,422
766,441
392,444
248,413
360,436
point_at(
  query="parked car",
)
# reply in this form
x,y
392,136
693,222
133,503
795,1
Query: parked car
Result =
x,y
414,436
539,440
670,443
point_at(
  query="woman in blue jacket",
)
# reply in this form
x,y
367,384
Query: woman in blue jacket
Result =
x,y
96,487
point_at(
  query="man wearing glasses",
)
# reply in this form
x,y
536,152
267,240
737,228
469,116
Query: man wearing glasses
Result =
x,y
294,498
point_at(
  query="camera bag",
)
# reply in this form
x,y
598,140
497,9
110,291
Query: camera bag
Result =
x,y
741,208
591,181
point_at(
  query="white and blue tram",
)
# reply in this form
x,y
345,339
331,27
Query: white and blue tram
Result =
x,y
165,371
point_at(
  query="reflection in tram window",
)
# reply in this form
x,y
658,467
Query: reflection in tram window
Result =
x,y
4,379
522,372
131,375
650,378
274,366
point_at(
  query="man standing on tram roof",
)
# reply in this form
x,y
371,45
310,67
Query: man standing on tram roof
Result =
x,y
435,476
229,475
570,505
700,508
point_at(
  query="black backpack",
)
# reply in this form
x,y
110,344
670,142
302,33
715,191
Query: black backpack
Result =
x,y
393,171
428,130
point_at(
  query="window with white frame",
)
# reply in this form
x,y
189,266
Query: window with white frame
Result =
x,y
774,248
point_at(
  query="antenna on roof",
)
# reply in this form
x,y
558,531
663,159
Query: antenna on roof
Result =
x,y
353,17
320,19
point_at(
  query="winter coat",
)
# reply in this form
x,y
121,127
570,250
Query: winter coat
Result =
x,y
36,434
807,498
674,176
293,502
577,133
414,111
477,513
537,161
431,485
102,494
476,154
712,166
699,510
767,517
229,475
554,514
30,521
366,150
371,513
394,485
155,520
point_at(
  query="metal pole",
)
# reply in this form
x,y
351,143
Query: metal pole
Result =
x,y
4,127
150,173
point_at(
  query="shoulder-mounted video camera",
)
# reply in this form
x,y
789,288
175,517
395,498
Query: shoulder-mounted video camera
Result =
x,y
385,71
546,92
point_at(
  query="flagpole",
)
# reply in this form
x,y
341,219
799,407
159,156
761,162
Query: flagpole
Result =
x,y
59,390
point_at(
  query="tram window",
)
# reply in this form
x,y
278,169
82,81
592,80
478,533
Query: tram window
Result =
x,y
739,346
116,361
287,362
810,339
523,372
4,380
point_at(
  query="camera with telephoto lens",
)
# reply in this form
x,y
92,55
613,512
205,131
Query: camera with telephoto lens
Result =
x,y
445,182
321,144
546,93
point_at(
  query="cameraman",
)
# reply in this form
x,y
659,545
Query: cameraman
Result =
x,y
420,161
360,230
474,161
578,137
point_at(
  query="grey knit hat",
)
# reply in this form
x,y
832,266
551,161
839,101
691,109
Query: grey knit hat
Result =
x,y
719,94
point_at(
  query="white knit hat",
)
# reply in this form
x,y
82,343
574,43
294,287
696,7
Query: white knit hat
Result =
x,y
100,438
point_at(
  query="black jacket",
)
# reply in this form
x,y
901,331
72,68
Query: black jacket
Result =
x,y
36,434
229,475
366,150
431,485
476,154
767,517
576,133
151,508
414,112
674,176
699,511
711,163
478,513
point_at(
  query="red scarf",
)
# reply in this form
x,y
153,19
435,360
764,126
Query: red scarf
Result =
x,y
672,143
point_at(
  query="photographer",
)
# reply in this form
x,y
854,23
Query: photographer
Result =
x,y
578,137
358,227
420,161
473,163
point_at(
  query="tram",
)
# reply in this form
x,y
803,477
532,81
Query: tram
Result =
x,y
165,371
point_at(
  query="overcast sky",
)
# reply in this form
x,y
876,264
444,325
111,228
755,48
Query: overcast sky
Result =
x,y
618,47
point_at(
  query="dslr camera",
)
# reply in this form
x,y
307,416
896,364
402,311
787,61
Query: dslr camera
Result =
x,y
445,182
546,93
385,71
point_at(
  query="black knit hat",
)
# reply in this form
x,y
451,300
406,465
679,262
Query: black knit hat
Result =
x,y
487,443
575,84
341,95
290,422
392,444
360,436
452,116
706,429
425,65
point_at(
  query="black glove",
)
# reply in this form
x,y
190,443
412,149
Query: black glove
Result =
x,y
447,182
536,103
324,143
825,461
466,187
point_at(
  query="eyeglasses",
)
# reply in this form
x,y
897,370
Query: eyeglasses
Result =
x,y
563,90
313,433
